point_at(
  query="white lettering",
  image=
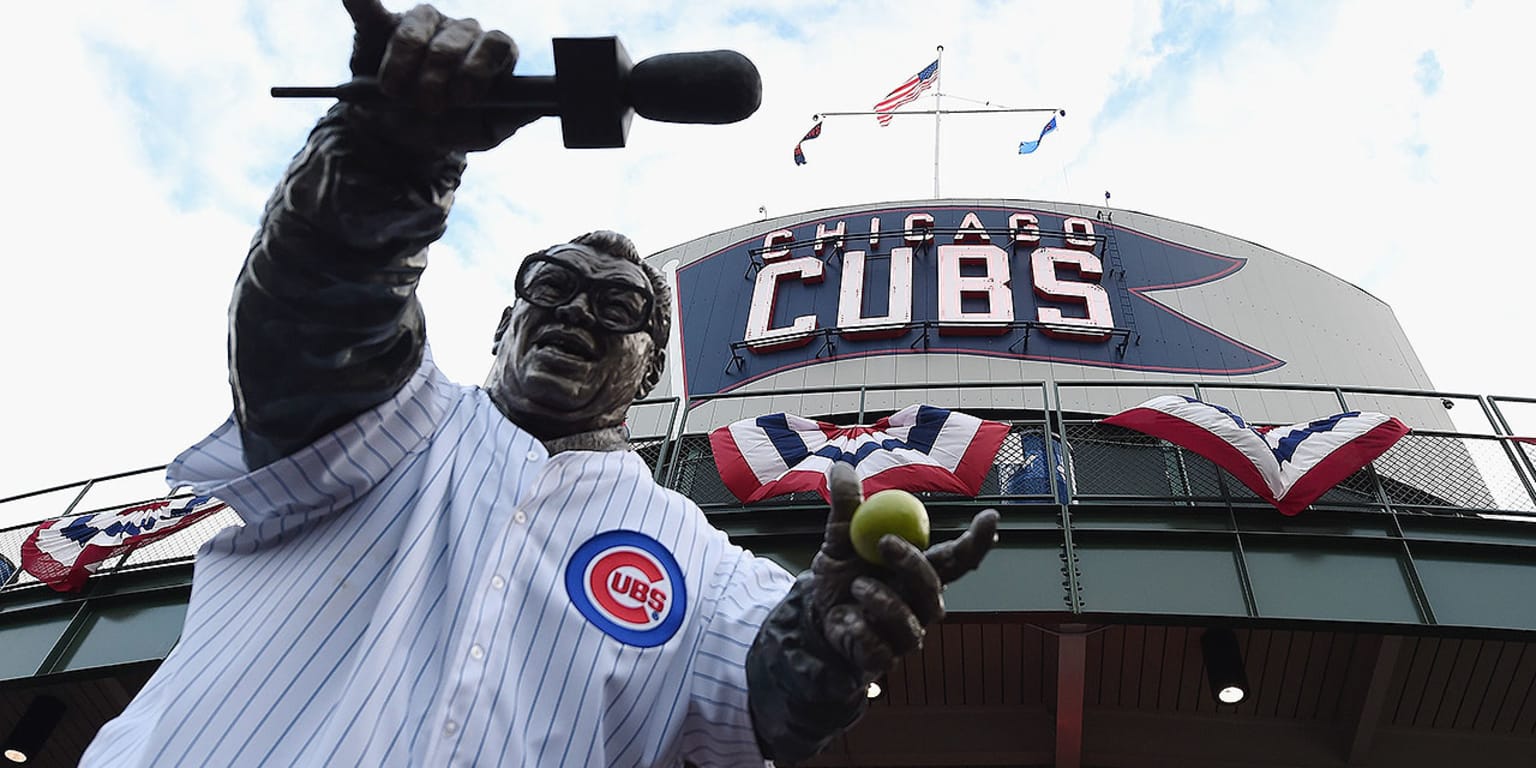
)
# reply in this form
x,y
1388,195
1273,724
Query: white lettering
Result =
x,y
1100,320
992,285
919,229
760,337
825,238
851,320
1079,233
772,241
971,230
1024,228
874,233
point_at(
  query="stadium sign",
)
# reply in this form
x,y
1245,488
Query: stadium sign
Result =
x,y
990,281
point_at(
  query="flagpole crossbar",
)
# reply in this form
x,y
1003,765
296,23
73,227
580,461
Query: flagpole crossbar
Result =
x,y
899,113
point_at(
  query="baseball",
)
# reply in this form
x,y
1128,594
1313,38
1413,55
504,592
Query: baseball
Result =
x,y
889,511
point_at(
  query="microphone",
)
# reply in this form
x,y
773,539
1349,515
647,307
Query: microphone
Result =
x,y
596,89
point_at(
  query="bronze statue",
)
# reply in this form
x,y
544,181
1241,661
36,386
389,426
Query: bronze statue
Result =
x,y
424,576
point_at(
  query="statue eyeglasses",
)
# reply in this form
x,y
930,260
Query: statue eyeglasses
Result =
x,y
549,282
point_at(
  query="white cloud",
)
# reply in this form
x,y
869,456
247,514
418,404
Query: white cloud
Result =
x,y
142,150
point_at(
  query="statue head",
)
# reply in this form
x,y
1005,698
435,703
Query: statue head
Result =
x,y
586,337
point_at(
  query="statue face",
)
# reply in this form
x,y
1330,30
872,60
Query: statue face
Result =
x,y
576,344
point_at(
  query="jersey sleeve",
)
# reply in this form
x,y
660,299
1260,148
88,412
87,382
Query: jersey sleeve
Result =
x,y
331,472
717,730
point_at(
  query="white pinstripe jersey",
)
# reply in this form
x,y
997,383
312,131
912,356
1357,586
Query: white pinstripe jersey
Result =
x,y
403,594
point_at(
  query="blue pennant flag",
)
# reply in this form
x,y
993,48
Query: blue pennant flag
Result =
x,y
1026,147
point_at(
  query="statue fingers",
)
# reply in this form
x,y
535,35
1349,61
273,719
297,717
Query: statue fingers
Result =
x,y
372,26
369,17
492,55
855,641
955,558
442,61
912,576
889,615
407,50
847,494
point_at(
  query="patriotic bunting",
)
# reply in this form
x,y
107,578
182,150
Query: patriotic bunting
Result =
x,y
1289,467
920,448
63,553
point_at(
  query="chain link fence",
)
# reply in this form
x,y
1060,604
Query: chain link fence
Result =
x,y
1078,462
1422,473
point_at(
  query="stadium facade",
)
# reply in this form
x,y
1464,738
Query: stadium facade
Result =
x,y
1388,624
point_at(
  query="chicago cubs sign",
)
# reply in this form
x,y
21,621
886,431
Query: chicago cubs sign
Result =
x,y
629,586
984,280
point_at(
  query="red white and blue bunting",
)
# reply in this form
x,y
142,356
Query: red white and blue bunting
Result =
x,y
1289,467
64,552
919,448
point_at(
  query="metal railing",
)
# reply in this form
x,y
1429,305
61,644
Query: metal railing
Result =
x,y
1482,472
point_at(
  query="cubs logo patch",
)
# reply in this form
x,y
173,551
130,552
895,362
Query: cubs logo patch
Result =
x,y
629,586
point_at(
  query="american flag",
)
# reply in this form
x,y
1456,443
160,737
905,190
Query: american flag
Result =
x,y
907,92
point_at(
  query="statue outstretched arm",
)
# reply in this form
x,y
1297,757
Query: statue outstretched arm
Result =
x,y
324,323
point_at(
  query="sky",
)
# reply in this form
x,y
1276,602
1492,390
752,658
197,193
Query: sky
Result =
x,y
1383,142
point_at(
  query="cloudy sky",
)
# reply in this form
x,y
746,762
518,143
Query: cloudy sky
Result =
x,y
1384,142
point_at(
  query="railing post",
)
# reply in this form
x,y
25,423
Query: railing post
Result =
x,y
666,443
1069,560
1221,474
682,429
1381,492
1410,570
1516,456
1053,405
84,489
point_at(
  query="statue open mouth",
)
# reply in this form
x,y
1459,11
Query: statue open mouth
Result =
x,y
566,342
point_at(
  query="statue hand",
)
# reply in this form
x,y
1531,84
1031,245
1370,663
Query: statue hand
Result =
x,y
845,623
430,67
873,615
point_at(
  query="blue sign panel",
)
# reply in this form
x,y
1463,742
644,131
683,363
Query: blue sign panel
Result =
x,y
991,281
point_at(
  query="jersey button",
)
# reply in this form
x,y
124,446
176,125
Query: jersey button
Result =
x,y
533,455
498,582
520,518
450,727
476,652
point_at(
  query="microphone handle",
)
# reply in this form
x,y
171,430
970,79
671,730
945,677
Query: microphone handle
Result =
x,y
528,93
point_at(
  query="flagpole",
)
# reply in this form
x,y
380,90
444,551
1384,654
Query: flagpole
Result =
x,y
938,95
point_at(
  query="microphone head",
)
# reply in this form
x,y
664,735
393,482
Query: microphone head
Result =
x,y
713,87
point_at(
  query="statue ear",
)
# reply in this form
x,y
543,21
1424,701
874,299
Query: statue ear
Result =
x,y
501,329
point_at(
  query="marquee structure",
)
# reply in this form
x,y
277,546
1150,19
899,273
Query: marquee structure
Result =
x,y
1388,624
